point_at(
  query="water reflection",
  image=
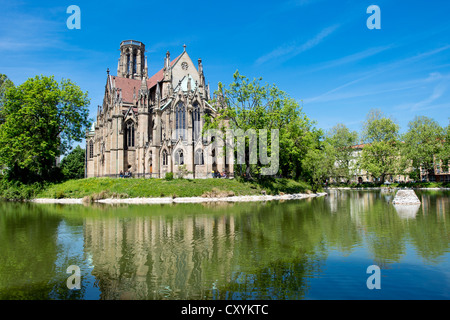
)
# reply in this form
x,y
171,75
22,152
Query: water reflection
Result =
x,y
211,251
406,211
155,257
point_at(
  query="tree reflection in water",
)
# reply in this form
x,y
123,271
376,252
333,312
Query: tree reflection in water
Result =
x,y
208,251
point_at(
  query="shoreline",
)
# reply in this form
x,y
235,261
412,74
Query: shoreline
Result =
x,y
199,199
383,188
167,200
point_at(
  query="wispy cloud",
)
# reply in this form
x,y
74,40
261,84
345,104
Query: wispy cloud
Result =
x,y
355,57
331,94
437,91
290,50
27,30
298,3
326,96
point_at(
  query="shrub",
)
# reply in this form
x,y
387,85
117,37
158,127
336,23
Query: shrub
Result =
x,y
169,176
59,194
216,193
18,191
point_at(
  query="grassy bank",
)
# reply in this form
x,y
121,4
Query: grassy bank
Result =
x,y
100,188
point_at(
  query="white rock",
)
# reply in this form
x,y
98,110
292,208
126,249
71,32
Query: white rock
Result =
x,y
406,197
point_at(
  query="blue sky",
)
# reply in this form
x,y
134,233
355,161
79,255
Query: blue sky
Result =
x,y
319,51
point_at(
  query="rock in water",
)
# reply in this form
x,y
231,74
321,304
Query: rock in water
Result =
x,y
406,197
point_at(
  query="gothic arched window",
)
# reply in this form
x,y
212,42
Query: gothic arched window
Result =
x,y
196,121
199,158
91,149
165,160
129,138
180,120
128,64
179,157
134,62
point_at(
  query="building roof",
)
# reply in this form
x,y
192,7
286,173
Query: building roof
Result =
x,y
359,146
132,86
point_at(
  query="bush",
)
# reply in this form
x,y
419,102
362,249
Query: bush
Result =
x,y
59,194
216,193
169,176
18,191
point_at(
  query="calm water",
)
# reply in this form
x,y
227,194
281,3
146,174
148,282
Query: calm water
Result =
x,y
307,249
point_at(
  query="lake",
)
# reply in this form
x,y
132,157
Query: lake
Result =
x,y
318,248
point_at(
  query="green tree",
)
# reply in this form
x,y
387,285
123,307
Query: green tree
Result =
x,y
444,154
319,164
43,119
72,166
380,155
5,84
251,105
342,139
423,141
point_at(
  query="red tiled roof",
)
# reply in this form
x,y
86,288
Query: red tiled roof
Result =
x,y
358,146
157,77
128,86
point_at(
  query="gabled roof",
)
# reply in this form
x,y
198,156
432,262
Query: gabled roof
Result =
x,y
130,86
157,77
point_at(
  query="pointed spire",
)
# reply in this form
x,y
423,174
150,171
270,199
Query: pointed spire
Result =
x,y
189,86
146,67
200,73
167,61
144,84
158,92
200,66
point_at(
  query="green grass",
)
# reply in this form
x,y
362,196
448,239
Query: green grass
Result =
x,y
150,188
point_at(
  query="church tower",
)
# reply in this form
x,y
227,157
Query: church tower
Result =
x,y
132,62
152,125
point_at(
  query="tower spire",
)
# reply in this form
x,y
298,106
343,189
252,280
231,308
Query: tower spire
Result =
x,y
132,55
167,61
146,67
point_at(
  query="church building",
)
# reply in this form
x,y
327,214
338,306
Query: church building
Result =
x,y
150,126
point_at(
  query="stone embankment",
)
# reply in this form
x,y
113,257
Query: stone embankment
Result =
x,y
189,199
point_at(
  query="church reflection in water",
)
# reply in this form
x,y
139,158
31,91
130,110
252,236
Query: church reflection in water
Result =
x,y
155,258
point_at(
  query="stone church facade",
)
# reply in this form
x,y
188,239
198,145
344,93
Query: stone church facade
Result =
x,y
150,126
